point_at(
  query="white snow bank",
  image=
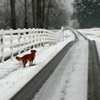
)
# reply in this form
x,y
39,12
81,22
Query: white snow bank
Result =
x,y
93,34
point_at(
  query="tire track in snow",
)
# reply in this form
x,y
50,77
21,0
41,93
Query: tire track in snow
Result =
x,y
70,91
57,85
94,73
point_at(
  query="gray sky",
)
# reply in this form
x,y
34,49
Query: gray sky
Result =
x,y
68,5
69,8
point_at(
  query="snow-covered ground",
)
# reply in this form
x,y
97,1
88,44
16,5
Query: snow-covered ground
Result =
x,y
13,76
93,34
72,71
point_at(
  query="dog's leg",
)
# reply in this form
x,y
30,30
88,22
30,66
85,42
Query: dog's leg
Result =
x,y
24,63
30,63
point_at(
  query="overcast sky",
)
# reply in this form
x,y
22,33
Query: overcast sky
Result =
x,y
68,5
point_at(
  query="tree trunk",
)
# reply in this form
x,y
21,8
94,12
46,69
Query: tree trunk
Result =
x,y
33,12
25,20
13,14
42,14
47,15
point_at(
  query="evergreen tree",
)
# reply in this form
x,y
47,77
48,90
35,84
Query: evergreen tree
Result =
x,y
87,12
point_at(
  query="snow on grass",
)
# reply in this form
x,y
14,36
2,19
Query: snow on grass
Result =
x,y
13,76
93,34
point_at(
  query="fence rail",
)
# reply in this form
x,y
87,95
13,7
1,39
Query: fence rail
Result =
x,y
13,42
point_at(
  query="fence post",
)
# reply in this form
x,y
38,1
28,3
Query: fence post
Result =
x,y
62,30
39,37
40,44
33,35
19,38
30,38
25,40
2,44
36,38
11,43
33,38
46,37
43,38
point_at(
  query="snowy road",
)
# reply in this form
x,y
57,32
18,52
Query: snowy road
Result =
x,y
69,80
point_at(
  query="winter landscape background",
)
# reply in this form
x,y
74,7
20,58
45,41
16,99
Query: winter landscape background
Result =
x,y
48,26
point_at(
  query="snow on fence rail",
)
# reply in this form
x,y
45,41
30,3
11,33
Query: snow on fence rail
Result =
x,y
13,42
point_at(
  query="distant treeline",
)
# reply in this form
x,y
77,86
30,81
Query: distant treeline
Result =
x,y
32,14
87,12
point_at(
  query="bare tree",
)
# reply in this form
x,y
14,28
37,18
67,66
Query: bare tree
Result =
x,y
43,13
33,12
47,14
13,14
30,13
25,20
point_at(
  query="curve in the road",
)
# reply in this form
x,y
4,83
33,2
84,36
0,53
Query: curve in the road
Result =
x,y
83,35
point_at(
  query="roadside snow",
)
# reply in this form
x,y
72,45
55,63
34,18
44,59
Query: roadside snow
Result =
x,y
93,34
13,76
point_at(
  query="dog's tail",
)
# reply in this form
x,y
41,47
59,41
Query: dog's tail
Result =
x,y
18,58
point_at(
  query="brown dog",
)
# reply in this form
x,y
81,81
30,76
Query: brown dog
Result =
x,y
28,57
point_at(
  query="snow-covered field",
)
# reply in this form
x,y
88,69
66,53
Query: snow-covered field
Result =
x,y
72,81
93,34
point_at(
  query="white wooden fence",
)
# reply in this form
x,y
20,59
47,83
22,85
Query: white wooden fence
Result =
x,y
13,42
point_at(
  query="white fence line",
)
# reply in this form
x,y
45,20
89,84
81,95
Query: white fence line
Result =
x,y
13,42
